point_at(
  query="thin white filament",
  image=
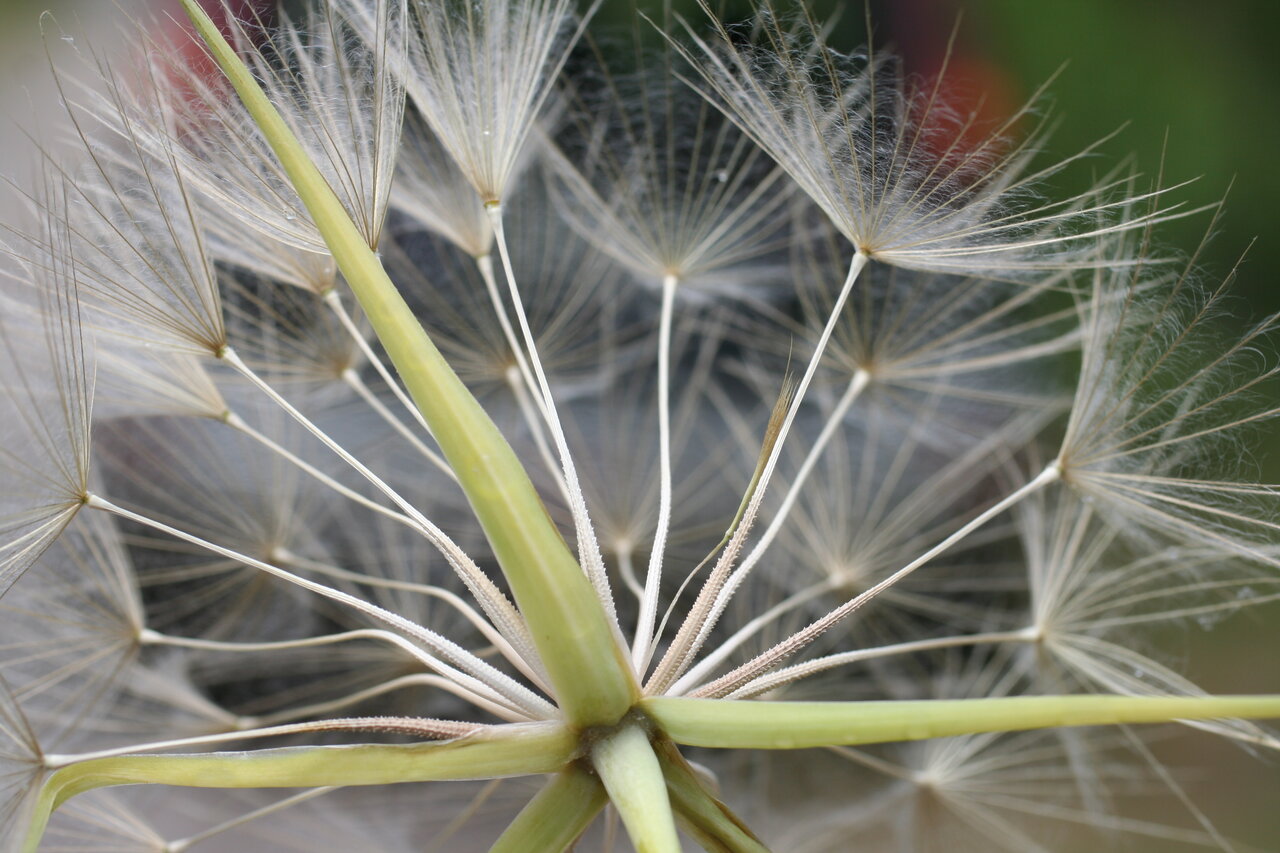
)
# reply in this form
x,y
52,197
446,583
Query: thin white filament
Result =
x,y
709,605
802,638
588,548
483,680
643,647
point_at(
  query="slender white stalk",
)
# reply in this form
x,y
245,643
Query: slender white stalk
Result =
x,y
150,637
855,388
239,424
483,679
390,686
516,633
334,301
533,418
182,845
53,761
484,263
353,381
643,647
495,604
723,650
779,677
768,659
625,549
710,604
230,357
857,384
520,657
588,548
155,638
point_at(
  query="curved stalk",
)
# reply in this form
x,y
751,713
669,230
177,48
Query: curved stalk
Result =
x,y
512,750
588,548
643,647
351,378
767,660
577,640
480,678
714,596
334,301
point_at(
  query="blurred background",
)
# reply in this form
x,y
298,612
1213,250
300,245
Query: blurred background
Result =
x,y
1204,76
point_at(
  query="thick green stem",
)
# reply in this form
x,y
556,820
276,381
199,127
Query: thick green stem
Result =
x,y
631,774
514,750
701,815
556,816
800,725
587,668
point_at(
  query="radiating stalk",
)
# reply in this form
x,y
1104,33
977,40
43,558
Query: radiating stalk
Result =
x,y
576,639
239,424
334,301
631,774
777,678
351,378
765,661
724,649
514,750
182,845
484,263
588,548
535,421
738,724
480,677
556,816
854,390
708,606
517,649
643,646
319,709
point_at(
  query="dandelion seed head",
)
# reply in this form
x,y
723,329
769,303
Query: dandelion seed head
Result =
x,y
772,338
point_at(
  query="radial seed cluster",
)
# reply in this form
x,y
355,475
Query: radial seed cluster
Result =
x,y
827,400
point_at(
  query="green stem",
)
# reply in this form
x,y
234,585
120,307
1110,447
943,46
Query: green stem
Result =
x,y
701,815
556,816
514,750
800,725
587,668
631,774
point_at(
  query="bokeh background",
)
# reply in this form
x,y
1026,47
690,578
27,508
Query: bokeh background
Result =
x,y
1204,77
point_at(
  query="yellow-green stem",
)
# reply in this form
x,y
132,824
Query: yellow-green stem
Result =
x,y
588,670
515,750
631,774
730,724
